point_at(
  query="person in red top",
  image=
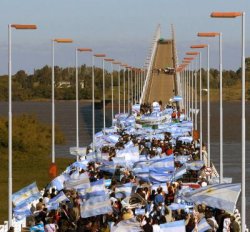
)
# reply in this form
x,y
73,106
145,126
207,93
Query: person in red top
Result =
x,y
169,151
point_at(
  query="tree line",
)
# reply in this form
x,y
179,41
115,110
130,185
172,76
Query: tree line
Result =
x,y
37,86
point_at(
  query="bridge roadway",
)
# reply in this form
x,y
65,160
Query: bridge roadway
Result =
x,y
161,85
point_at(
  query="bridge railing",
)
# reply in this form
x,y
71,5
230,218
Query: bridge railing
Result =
x,y
150,64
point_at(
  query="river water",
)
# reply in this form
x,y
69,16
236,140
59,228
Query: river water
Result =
x,y
65,118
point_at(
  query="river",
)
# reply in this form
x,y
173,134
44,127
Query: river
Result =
x,y
65,118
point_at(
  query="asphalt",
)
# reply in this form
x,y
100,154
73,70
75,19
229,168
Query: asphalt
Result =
x,y
161,85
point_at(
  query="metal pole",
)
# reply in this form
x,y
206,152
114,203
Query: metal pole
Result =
x,y
119,88
185,91
124,90
10,133
189,91
132,87
208,107
243,192
53,101
77,108
221,110
201,139
128,91
112,89
103,96
93,102
195,94
192,94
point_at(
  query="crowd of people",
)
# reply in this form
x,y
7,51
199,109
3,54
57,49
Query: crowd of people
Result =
x,y
149,204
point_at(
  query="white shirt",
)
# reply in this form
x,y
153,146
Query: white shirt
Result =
x,y
156,228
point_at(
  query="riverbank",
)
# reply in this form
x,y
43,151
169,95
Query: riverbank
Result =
x,y
25,172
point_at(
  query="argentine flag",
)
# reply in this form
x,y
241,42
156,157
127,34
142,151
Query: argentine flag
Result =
x,y
97,188
176,226
221,196
26,195
78,182
123,190
22,211
96,206
203,226
60,197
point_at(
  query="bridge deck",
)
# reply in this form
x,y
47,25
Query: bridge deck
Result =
x,y
161,85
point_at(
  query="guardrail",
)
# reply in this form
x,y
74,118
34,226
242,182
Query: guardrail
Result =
x,y
150,64
17,225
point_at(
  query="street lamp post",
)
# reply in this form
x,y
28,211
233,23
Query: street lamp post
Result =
x,y
128,70
199,53
199,46
243,121
187,88
112,87
53,165
214,34
103,87
124,87
10,181
119,86
190,80
195,54
77,97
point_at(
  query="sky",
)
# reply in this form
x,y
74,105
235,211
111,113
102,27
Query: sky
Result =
x,y
122,29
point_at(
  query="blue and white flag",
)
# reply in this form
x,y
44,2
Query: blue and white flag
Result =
x,y
160,177
107,182
112,138
80,164
179,172
26,195
58,182
81,182
167,163
221,196
97,188
182,158
60,197
21,212
131,154
176,206
129,144
96,206
130,225
119,161
195,165
177,98
110,168
186,139
176,226
203,225
123,190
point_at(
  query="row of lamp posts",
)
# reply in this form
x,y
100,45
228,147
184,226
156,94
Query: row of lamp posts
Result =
x,y
134,85
184,68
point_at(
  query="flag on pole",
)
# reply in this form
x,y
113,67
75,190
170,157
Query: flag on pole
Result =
x,y
26,195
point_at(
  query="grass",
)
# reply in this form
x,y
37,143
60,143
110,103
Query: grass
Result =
x,y
25,172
